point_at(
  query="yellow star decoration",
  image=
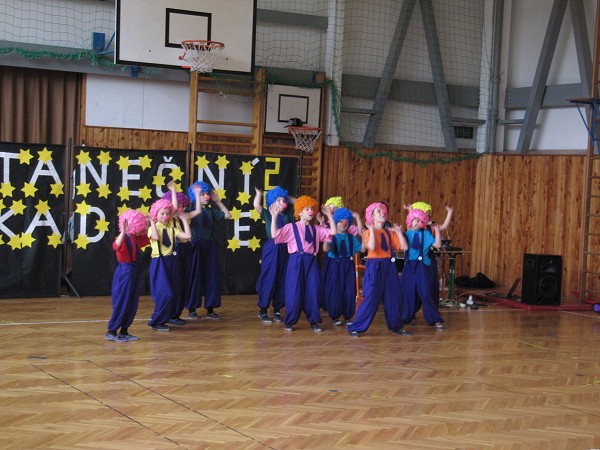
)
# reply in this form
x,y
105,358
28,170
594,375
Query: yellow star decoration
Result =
x,y
104,158
83,189
82,241
17,207
123,163
103,191
2,206
57,189
243,197
234,244
158,180
83,158
235,214
54,240
254,215
102,225
201,162
45,155
254,243
124,193
25,156
82,208
42,207
145,162
29,189
246,167
6,189
15,241
145,210
145,193
176,174
122,209
26,240
1,239
222,193
222,162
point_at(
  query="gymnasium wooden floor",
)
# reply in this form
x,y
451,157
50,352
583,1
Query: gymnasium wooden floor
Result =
x,y
496,378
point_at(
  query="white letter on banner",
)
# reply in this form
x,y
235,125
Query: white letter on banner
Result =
x,y
50,171
210,178
6,165
237,228
89,167
8,214
127,176
83,224
166,165
37,222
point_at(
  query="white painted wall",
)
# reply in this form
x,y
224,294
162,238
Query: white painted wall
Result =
x,y
525,27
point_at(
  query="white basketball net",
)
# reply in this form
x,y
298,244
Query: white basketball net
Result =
x,y
201,55
305,137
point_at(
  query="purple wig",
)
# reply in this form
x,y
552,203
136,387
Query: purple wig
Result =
x,y
183,200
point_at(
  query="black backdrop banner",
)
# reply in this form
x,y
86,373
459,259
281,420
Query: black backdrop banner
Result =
x,y
32,213
109,181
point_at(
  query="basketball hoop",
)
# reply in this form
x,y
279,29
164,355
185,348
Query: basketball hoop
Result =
x,y
201,54
305,137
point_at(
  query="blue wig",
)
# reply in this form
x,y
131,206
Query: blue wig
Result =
x,y
341,214
275,193
204,187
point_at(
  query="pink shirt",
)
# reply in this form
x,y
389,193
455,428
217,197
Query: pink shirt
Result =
x,y
285,235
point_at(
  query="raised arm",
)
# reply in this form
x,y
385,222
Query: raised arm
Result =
x,y
258,200
449,213
274,210
332,228
215,198
121,236
438,235
197,202
398,230
186,233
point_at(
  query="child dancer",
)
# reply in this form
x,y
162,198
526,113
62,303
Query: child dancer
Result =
x,y
380,281
415,280
333,203
182,252
340,287
163,234
271,282
432,268
302,276
205,273
125,285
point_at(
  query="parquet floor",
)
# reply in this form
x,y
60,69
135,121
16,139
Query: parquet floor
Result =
x,y
496,378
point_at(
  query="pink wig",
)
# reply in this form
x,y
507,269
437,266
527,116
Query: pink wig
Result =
x,y
371,208
135,220
160,204
417,214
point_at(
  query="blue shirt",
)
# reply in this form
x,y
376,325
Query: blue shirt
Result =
x,y
415,247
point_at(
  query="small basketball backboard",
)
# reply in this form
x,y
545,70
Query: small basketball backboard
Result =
x,y
149,33
287,102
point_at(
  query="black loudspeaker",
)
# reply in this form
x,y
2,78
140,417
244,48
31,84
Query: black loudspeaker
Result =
x,y
542,279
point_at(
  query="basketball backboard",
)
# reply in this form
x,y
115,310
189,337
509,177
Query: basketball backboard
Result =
x,y
149,32
287,102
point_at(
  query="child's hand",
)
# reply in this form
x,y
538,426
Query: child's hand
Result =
x,y
326,210
125,226
397,228
449,209
274,209
196,189
257,190
214,196
171,185
320,219
408,207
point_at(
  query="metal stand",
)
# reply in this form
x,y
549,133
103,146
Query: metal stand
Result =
x,y
451,297
67,209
